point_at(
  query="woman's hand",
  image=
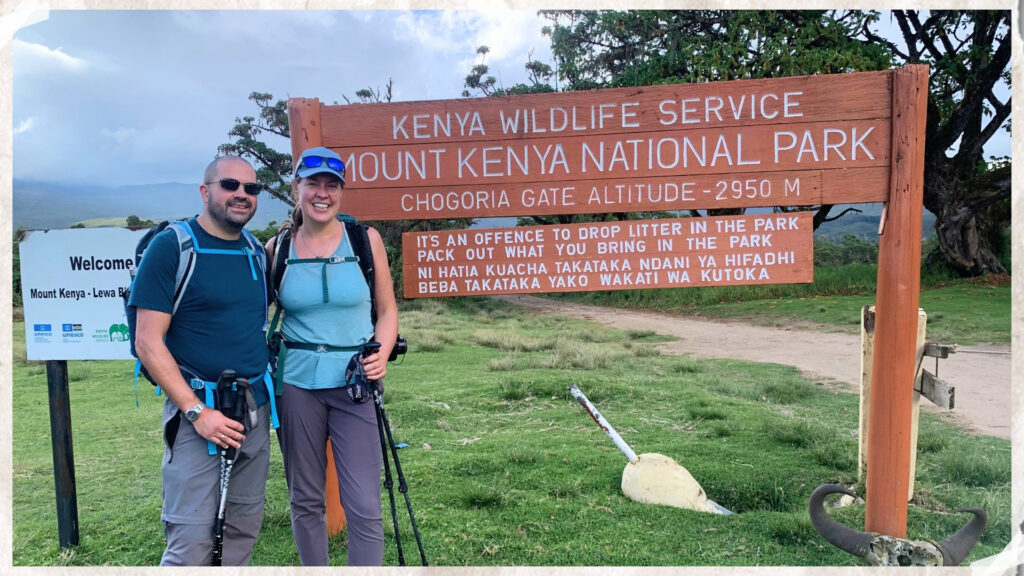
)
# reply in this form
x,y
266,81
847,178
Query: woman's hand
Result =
x,y
375,366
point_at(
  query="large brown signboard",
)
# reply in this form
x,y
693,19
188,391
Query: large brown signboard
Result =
x,y
789,141
830,139
622,255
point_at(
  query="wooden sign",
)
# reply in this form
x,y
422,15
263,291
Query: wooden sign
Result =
x,y
780,142
829,139
621,255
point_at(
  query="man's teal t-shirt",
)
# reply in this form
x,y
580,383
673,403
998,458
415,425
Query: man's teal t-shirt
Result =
x,y
220,322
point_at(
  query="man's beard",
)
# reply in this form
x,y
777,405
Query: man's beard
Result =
x,y
220,214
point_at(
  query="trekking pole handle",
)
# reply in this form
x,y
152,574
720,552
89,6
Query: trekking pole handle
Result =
x,y
370,348
619,442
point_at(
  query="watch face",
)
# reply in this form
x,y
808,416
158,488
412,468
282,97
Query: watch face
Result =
x,y
193,413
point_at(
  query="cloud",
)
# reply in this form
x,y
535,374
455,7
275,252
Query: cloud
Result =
x,y
121,135
25,125
38,58
454,35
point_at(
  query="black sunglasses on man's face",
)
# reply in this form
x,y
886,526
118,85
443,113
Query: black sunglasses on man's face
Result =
x,y
230,184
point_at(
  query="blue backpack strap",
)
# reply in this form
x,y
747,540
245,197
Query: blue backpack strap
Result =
x,y
138,368
360,242
210,401
187,246
261,262
269,383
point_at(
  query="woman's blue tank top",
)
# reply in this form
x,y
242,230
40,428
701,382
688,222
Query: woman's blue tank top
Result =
x,y
342,321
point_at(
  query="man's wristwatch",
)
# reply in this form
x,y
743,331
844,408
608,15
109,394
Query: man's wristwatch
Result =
x,y
192,414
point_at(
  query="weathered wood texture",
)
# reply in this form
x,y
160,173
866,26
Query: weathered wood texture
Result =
x,y
794,141
898,296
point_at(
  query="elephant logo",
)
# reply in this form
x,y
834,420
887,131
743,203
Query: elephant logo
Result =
x,y
119,333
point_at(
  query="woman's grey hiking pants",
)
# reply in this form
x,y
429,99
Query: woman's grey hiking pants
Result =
x,y
308,418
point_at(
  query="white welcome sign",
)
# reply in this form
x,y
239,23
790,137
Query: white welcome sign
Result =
x,y
72,285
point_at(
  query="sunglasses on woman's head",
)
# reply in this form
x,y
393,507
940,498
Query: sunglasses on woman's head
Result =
x,y
230,184
316,161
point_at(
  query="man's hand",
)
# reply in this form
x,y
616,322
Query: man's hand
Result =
x,y
219,429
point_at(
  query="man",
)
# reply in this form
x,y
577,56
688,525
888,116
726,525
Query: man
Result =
x,y
218,325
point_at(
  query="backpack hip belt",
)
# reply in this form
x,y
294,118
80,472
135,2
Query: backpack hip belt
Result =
x,y
319,348
211,388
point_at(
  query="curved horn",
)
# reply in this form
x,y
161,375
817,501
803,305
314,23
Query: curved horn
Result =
x,y
955,548
840,536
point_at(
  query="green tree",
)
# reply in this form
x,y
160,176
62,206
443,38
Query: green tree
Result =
x,y
479,83
134,221
969,55
274,169
968,52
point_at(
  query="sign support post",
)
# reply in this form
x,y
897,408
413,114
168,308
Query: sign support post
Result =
x,y
898,298
304,127
63,452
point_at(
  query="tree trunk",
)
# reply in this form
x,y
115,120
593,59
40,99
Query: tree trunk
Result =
x,y
963,226
965,247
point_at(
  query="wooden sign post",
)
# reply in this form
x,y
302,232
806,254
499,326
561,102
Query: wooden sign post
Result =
x,y
897,299
784,142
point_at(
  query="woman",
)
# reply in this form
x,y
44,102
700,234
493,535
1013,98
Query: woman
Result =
x,y
326,304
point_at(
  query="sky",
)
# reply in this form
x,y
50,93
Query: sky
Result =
x,y
138,97
143,97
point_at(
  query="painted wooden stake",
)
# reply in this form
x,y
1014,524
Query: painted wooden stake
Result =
x,y
335,513
898,297
305,130
867,339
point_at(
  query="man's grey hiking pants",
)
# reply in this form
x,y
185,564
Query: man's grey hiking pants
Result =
x,y
191,493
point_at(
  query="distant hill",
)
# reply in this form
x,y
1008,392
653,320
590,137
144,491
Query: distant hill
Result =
x,y
865,224
43,205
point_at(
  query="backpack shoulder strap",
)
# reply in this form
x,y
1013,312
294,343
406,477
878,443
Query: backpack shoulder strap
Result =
x,y
186,259
261,261
282,247
357,235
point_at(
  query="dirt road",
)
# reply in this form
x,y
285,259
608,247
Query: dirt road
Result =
x,y
982,378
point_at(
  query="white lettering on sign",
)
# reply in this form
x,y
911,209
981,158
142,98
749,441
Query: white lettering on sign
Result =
x,y
822,146
767,248
575,119
744,107
435,125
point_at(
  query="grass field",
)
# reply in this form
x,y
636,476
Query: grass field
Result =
x,y
505,469
959,312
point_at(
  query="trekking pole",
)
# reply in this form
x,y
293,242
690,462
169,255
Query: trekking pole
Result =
x,y
388,481
378,399
384,427
229,388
